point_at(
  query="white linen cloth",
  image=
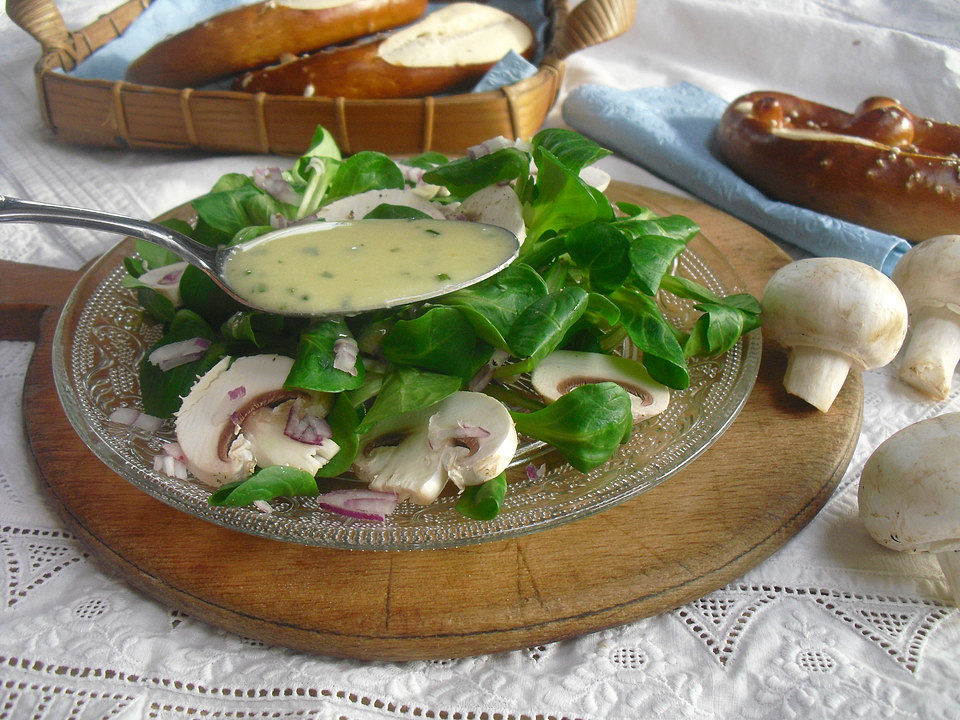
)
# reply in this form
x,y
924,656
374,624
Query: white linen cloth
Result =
x,y
831,626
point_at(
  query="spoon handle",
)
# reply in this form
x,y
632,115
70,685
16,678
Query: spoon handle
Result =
x,y
16,210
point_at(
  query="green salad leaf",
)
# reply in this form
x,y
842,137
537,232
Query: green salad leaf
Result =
x,y
586,425
313,367
483,502
590,275
265,484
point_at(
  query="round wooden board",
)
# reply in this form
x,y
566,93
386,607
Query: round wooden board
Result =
x,y
761,482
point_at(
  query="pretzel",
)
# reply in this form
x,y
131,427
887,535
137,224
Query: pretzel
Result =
x,y
882,166
454,45
251,36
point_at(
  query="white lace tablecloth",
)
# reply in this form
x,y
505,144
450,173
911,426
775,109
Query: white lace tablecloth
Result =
x,y
831,626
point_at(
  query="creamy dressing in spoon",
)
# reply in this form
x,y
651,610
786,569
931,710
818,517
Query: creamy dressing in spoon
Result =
x,y
345,268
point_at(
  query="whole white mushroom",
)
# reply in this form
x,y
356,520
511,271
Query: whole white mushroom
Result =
x,y
928,275
832,315
910,493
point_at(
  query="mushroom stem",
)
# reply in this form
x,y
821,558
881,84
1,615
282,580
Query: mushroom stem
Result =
x,y
950,564
816,375
932,354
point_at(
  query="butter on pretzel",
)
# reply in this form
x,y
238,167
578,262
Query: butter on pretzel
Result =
x,y
882,166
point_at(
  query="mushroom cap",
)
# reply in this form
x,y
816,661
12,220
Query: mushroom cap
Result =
x,y
836,304
563,370
928,274
909,491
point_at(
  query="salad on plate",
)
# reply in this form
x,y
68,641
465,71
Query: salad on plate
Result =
x,y
429,397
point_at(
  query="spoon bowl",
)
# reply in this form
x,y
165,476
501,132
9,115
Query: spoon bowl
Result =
x,y
393,261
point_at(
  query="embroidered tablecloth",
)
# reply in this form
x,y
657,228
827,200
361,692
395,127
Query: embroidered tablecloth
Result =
x,y
831,626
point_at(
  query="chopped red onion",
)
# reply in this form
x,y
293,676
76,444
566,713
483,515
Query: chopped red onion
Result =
x,y
493,144
345,351
305,427
237,393
179,353
170,466
534,472
485,374
263,506
411,174
174,450
171,278
271,181
360,504
134,418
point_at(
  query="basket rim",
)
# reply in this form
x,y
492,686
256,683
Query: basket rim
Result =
x,y
119,113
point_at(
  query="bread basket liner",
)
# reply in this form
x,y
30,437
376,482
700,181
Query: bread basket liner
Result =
x,y
108,113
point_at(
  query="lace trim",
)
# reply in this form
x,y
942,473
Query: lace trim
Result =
x,y
719,621
48,692
31,557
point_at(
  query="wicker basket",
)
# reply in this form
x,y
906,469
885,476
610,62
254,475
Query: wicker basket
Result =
x,y
122,114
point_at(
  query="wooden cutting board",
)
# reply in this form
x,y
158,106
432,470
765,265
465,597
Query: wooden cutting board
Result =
x,y
762,481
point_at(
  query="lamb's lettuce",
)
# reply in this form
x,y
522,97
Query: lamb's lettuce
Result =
x,y
440,340
161,391
493,305
265,484
589,276
367,170
586,425
406,389
483,502
313,367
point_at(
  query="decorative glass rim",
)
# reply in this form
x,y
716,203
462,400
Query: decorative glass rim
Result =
x,y
101,336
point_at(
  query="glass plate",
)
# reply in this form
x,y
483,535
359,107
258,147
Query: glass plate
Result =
x,y
102,335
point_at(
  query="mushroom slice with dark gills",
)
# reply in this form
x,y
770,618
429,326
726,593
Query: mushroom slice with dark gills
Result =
x,y
222,423
563,370
467,438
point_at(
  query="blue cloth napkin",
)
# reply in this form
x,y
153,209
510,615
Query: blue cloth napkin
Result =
x,y
668,131
157,21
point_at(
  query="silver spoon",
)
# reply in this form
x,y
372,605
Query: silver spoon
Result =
x,y
213,260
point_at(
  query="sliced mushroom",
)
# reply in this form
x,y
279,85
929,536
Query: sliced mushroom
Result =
x,y
209,420
563,370
475,437
396,457
467,438
265,428
496,205
356,207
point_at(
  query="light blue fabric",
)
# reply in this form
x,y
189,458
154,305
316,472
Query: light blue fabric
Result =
x,y
669,132
168,17
157,21
510,69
